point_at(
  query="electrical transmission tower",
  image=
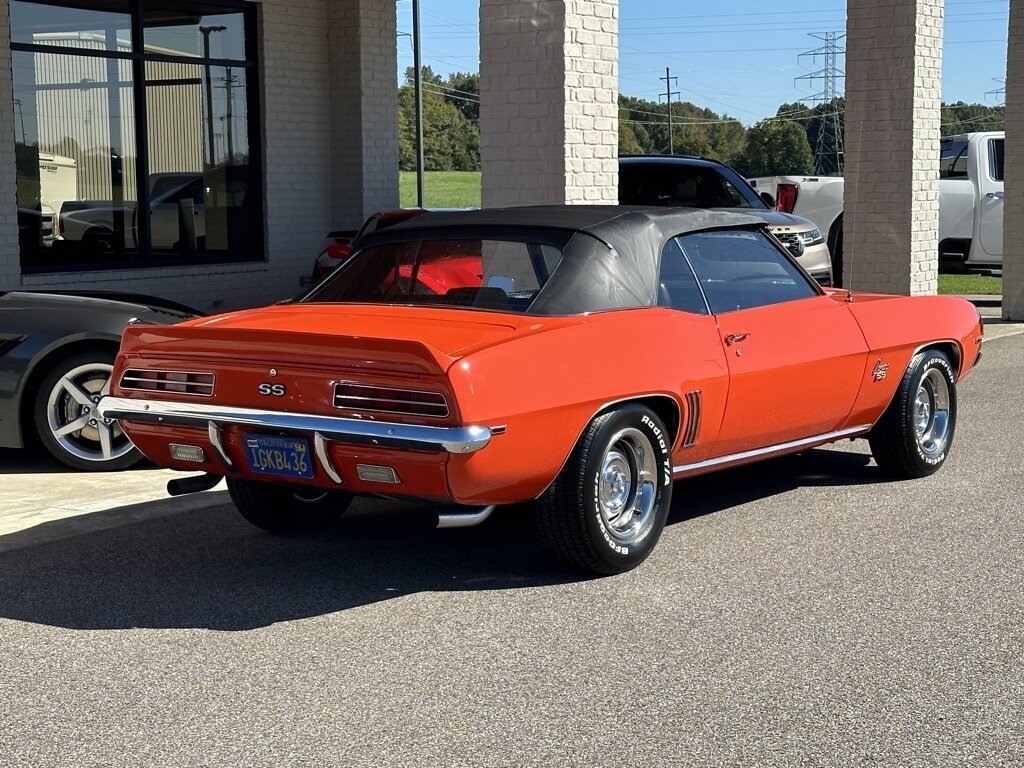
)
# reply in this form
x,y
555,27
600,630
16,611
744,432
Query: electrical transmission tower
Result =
x,y
828,150
998,91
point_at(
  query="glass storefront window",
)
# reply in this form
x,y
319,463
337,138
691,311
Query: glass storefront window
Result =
x,y
196,29
103,25
196,112
100,186
76,160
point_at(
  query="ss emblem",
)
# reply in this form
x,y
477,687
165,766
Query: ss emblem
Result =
x,y
277,390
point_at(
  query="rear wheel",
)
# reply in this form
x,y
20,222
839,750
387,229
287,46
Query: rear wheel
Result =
x,y
287,509
607,508
913,437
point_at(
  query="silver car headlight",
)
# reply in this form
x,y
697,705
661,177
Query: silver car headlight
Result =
x,y
811,237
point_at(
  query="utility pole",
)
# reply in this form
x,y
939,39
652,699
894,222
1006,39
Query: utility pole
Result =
x,y
228,118
418,88
206,32
998,91
830,131
669,93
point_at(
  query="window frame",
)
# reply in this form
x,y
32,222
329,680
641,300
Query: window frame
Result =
x,y
144,257
768,238
693,274
992,164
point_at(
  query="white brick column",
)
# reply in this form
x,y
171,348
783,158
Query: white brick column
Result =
x,y
1013,203
893,91
363,94
549,101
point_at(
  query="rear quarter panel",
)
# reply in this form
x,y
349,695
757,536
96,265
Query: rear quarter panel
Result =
x,y
546,388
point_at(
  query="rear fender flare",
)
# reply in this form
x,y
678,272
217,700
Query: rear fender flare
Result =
x,y
656,401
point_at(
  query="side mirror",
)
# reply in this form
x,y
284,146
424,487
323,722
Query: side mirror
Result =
x,y
768,199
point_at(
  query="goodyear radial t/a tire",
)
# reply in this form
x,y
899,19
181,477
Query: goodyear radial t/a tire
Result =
x,y
913,437
287,509
607,508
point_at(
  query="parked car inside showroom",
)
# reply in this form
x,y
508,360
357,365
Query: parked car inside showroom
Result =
x,y
698,182
604,352
341,243
56,354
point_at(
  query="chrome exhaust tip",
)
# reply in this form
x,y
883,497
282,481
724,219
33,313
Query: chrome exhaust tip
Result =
x,y
462,517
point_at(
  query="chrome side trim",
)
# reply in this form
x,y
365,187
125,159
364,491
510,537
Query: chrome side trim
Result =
x,y
213,431
356,431
463,519
320,449
772,450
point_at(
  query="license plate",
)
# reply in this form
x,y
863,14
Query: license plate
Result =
x,y
283,456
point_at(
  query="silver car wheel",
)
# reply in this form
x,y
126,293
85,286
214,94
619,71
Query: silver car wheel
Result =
x,y
627,486
72,418
931,413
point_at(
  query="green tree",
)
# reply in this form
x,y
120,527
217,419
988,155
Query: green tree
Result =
x,y
776,147
960,117
464,93
451,141
629,144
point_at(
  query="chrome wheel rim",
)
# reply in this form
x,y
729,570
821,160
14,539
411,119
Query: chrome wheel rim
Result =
x,y
627,486
931,413
72,418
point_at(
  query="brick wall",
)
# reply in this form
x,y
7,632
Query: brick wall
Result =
x,y
548,101
305,193
893,89
365,140
1013,211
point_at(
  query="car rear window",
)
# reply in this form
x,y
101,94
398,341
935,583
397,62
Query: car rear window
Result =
x,y
500,275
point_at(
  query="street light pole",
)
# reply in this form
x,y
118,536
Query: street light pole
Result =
x,y
206,32
418,87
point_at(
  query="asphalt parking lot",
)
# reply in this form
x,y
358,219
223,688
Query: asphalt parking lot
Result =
x,y
802,612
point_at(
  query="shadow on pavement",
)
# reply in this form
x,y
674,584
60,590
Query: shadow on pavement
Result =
x,y
207,568
35,461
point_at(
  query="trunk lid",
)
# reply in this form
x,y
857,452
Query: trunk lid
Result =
x,y
393,339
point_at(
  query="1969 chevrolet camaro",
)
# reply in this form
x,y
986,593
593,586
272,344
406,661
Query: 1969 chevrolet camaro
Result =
x,y
601,353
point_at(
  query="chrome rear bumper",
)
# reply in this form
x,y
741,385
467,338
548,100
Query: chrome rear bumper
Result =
x,y
354,431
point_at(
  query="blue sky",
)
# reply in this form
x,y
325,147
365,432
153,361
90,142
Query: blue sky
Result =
x,y
738,57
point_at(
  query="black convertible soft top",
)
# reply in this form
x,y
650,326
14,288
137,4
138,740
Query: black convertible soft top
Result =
x,y
611,259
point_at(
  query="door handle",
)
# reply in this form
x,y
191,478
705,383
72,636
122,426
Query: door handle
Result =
x,y
996,195
736,338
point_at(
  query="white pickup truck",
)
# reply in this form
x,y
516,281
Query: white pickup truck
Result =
x,y
970,202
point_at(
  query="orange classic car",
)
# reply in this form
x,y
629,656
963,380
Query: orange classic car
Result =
x,y
602,353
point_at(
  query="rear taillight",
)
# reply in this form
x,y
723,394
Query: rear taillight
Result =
x,y
338,251
179,382
408,402
785,197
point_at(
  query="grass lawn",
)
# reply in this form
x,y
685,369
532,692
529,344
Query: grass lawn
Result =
x,y
970,284
442,189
